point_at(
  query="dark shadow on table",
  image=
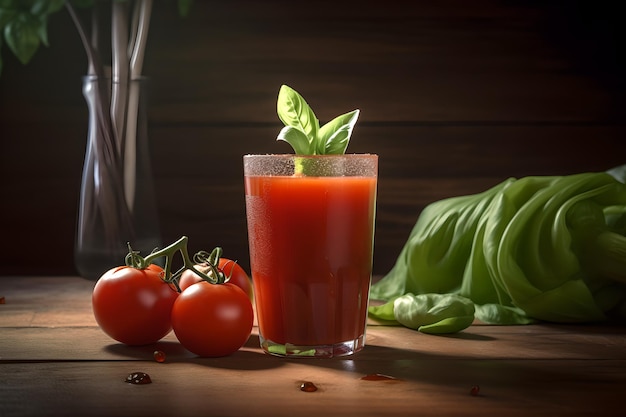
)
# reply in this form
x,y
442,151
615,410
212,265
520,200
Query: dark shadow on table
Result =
x,y
411,365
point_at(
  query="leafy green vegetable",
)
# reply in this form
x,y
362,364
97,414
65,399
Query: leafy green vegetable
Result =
x,y
24,23
302,128
546,248
428,313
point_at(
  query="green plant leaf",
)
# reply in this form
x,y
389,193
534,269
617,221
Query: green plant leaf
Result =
x,y
334,136
42,30
22,37
434,313
7,15
40,11
306,136
45,7
383,312
296,138
619,173
294,111
9,4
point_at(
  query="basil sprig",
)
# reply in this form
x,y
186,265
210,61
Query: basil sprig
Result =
x,y
302,128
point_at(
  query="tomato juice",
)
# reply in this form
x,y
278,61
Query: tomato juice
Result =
x,y
311,244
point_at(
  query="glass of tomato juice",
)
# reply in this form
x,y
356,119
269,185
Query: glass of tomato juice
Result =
x,y
311,236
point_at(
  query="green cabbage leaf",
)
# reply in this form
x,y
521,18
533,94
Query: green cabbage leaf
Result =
x,y
539,248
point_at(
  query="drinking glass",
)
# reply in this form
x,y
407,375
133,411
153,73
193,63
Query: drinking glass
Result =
x,y
311,235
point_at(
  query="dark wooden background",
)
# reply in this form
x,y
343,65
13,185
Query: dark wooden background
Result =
x,y
455,95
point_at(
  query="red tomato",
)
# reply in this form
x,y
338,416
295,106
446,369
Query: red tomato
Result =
x,y
212,319
238,276
133,306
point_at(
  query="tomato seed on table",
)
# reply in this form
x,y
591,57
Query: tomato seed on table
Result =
x,y
308,386
159,356
138,378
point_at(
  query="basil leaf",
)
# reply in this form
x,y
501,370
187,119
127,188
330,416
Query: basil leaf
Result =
x,y
330,139
294,111
434,313
334,136
296,138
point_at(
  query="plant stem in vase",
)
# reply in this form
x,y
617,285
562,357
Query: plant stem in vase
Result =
x,y
117,202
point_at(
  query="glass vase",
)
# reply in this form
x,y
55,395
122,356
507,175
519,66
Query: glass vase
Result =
x,y
117,206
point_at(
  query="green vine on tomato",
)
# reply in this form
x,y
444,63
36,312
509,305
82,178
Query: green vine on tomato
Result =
x,y
210,260
207,302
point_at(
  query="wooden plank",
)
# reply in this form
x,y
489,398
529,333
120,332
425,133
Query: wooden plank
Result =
x,y
43,301
478,342
490,60
254,385
454,98
438,61
200,189
69,367
40,313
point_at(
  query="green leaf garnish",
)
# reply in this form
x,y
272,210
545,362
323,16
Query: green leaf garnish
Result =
x,y
302,129
296,138
334,136
294,111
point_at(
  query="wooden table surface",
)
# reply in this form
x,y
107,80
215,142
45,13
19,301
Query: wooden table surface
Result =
x,y
55,361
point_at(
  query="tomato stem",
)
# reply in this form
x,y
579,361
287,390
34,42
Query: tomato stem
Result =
x,y
211,260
